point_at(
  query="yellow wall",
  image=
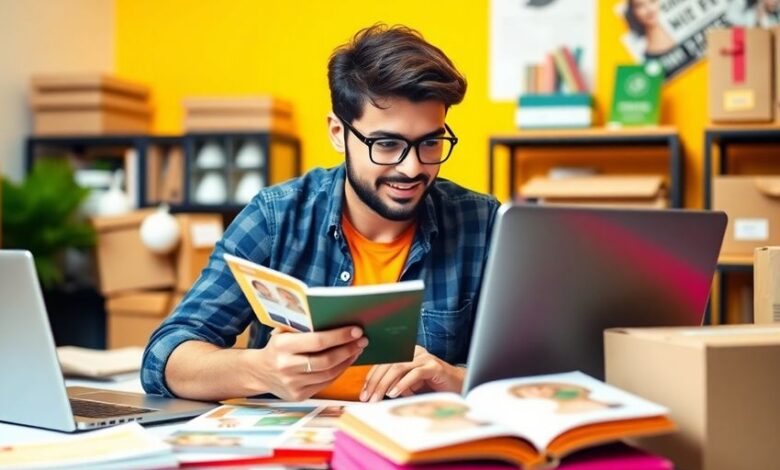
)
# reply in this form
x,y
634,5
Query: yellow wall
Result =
x,y
239,47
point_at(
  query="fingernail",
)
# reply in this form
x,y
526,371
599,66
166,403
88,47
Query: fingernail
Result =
x,y
363,342
375,398
363,395
393,392
356,333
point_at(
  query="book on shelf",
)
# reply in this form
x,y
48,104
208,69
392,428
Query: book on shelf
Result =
x,y
124,446
529,422
637,95
559,110
388,313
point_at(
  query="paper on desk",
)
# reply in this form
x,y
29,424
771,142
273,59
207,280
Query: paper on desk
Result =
x,y
94,363
124,446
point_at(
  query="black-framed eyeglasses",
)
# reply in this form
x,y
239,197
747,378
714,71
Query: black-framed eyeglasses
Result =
x,y
431,150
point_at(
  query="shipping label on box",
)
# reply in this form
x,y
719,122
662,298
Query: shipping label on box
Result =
x,y
753,208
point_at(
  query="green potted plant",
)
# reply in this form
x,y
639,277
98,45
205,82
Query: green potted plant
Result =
x,y
41,215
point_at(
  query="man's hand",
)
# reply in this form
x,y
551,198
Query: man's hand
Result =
x,y
425,373
295,366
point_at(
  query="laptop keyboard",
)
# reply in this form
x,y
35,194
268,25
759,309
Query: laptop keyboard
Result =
x,y
97,409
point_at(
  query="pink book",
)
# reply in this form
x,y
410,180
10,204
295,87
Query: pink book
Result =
x,y
349,454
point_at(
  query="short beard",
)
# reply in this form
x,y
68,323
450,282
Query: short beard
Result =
x,y
372,200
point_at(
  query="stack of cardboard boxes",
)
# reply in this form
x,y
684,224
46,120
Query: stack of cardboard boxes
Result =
x,y
744,87
141,287
246,114
89,105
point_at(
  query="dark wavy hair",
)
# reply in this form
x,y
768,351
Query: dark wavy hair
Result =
x,y
633,23
390,61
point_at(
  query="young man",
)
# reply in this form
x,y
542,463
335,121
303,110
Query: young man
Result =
x,y
383,216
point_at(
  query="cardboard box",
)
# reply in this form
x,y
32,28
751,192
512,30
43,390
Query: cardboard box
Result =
x,y
123,262
766,285
740,75
132,317
199,234
720,384
253,113
89,104
603,191
776,71
752,204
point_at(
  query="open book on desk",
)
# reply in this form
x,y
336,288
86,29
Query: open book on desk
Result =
x,y
388,313
530,422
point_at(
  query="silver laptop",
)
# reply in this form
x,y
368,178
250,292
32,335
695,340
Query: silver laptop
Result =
x,y
557,277
32,389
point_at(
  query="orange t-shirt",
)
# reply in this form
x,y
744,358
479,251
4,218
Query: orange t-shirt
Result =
x,y
375,263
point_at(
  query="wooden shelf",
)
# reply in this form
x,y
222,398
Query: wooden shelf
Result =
x,y
663,137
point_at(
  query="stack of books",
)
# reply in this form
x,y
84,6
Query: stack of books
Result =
x,y
89,105
555,93
242,114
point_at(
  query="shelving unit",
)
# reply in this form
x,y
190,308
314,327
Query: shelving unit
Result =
x,y
718,141
665,138
282,159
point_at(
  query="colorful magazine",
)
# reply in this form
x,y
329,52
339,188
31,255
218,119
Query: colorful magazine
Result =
x,y
388,313
529,422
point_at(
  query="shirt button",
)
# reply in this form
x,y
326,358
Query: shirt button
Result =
x,y
345,276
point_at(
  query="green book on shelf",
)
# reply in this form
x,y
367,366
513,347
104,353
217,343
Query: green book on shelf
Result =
x,y
388,313
636,101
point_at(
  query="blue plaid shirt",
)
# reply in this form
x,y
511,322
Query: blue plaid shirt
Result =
x,y
295,227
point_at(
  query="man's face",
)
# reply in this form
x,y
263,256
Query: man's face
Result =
x,y
393,192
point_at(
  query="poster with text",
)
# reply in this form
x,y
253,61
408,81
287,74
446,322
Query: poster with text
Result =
x,y
673,32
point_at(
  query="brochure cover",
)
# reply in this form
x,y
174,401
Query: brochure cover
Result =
x,y
388,313
636,101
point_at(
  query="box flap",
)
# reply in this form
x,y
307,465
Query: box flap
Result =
x,y
593,187
117,222
150,303
707,336
769,186
44,83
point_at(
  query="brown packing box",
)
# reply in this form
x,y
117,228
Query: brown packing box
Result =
x,y
776,70
752,204
253,113
237,105
86,122
740,99
199,234
766,285
239,122
89,82
606,191
124,263
720,384
89,104
132,317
